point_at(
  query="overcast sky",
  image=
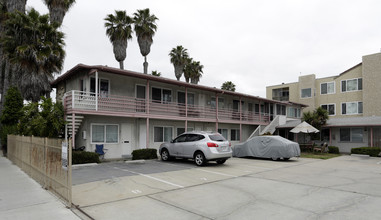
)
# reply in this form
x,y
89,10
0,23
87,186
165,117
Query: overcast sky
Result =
x,y
252,43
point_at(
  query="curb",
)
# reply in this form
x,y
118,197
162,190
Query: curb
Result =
x,y
77,166
360,155
135,161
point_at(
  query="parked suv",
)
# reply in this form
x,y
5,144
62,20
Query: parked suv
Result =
x,y
199,145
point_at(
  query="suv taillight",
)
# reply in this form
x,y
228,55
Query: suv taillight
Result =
x,y
230,144
210,144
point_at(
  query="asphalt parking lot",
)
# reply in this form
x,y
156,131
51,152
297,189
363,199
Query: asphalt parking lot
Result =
x,y
346,187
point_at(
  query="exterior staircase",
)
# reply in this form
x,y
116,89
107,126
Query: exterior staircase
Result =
x,y
77,124
278,120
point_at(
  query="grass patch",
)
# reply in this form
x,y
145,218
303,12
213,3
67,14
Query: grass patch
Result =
x,y
316,155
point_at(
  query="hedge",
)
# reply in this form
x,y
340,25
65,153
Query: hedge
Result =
x,y
80,157
148,153
333,150
371,151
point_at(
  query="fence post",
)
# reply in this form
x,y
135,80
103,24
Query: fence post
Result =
x,y
69,175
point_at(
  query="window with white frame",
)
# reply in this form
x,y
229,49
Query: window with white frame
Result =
x,y
104,133
330,108
351,108
306,93
181,98
327,88
162,134
161,95
221,104
351,85
234,135
182,130
293,112
351,134
223,132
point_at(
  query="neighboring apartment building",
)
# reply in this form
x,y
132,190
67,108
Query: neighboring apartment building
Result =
x,y
351,99
125,110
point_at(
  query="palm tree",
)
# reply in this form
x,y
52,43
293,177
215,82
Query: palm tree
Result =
x,y
228,85
34,44
15,5
179,57
58,9
118,29
145,28
156,73
188,69
197,72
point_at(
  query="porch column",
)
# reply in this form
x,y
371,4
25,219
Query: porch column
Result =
x,y
371,136
186,109
96,91
330,136
240,119
216,112
260,111
148,114
73,130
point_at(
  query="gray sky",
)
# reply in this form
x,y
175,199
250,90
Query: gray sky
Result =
x,y
253,43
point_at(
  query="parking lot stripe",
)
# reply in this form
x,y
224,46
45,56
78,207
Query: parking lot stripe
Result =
x,y
151,177
218,173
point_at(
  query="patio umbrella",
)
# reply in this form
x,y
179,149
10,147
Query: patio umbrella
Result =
x,y
304,127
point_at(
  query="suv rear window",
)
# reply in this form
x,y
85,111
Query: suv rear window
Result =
x,y
216,137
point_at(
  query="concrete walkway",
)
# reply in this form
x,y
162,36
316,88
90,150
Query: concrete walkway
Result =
x,y
23,198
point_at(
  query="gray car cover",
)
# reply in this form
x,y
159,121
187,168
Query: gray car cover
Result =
x,y
267,147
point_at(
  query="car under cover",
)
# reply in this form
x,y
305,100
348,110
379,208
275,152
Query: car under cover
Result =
x,y
274,147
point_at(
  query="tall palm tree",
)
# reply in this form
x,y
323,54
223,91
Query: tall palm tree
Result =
x,y
145,28
197,72
58,9
228,85
15,5
179,57
188,69
34,44
118,29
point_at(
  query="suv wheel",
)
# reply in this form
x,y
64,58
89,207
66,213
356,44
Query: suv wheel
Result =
x,y
164,155
199,159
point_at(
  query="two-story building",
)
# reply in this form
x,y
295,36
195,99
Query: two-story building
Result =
x,y
125,110
351,99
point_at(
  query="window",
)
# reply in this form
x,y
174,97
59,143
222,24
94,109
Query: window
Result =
x,y
108,134
181,98
324,135
293,112
351,108
351,85
281,94
234,135
327,88
330,108
221,104
306,93
103,86
182,130
162,134
281,110
223,132
194,137
161,95
351,134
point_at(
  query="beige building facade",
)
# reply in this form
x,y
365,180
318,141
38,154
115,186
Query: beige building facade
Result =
x,y
352,99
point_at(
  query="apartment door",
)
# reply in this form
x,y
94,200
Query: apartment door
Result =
x,y
126,139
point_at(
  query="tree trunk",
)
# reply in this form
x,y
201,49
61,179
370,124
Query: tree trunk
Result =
x,y
179,71
120,51
13,5
121,65
57,14
145,65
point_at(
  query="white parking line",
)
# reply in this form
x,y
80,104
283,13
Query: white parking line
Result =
x,y
151,177
218,173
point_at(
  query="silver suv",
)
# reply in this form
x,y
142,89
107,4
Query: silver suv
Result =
x,y
199,145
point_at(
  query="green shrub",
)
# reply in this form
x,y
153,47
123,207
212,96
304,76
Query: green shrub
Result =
x,y
333,150
371,151
80,157
148,153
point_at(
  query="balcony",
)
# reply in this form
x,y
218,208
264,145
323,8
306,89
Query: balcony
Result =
x,y
87,103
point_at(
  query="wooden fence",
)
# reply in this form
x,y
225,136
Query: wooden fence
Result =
x,y
41,159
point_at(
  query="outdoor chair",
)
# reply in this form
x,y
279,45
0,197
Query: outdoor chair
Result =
x,y
321,149
100,150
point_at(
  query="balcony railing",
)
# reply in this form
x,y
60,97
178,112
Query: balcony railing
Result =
x,y
88,102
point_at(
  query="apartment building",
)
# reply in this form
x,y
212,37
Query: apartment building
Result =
x,y
351,99
125,110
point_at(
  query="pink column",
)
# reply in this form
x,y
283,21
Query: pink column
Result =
x,y
371,136
147,111
186,109
216,112
73,130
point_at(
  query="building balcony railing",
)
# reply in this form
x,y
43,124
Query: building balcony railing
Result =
x,y
88,103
